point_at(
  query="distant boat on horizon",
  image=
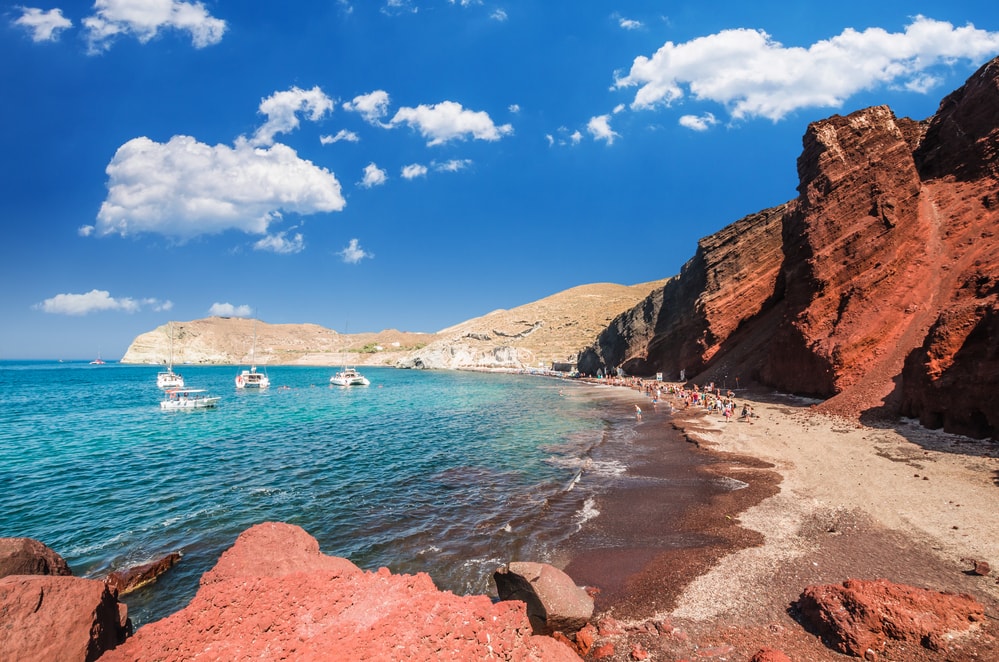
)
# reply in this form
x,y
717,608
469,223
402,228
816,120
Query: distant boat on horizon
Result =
x,y
98,360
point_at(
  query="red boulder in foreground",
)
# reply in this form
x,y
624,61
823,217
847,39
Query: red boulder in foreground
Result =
x,y
859,615
273,595
58,618
24,556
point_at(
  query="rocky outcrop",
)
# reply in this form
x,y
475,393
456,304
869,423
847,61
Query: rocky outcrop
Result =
x,y
534,335
554,602
858,616
24,556
129,579
273,595
875,289
59,618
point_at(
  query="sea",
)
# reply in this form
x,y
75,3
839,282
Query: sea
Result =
x,y
444,472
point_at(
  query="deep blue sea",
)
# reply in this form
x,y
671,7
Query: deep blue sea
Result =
x,y
451,473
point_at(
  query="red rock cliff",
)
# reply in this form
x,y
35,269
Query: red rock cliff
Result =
x,y
876,288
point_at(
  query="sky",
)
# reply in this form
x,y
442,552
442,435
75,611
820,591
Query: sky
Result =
x,y
410,164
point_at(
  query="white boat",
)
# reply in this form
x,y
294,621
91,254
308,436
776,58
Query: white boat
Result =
x,y
349,377
189,398
98,360
251,378
169,378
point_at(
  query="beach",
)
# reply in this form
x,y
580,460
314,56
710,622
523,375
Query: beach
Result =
x,y
825,499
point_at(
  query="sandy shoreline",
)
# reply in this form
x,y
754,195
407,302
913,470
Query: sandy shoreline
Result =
x,y
827,499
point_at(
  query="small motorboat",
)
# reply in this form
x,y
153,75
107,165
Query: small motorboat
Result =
x,y
189,398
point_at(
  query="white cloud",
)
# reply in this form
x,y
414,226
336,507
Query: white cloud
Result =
x,y
514,108
413,171
454,165
281,243
576,137
629,24
599,128
145,18
341,135
753,75
229,310
353,253
565,138
184,188
85,230
373,176
449,121
92,302
43,25
372,106
698,122
282,108
499,15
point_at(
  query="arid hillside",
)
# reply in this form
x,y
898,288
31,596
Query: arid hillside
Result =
x,y
532,335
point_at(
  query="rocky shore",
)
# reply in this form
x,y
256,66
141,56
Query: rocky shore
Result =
x,y
894,526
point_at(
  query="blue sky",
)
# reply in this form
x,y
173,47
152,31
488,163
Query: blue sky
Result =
x,y
410,164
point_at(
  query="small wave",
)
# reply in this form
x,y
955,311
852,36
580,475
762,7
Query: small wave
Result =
x,y
575,479
586,513
730,484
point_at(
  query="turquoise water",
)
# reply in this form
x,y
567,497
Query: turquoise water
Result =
x,y
450,473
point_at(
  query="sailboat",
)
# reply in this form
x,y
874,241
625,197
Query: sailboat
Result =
x,y
251,378
169,378
349,376
98,360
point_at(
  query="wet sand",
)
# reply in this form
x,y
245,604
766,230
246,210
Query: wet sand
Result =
x,y
826,499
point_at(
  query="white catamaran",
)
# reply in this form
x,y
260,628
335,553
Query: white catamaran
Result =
x,y
251,378
169,378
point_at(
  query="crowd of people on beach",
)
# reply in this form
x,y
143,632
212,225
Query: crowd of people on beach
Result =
x,y
683,396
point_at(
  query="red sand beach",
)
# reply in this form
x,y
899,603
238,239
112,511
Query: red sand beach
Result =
x,y
825,500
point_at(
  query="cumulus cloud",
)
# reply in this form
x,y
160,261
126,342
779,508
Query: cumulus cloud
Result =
x,y
373,176
452,165
282,110
229,310
414,170
565,137
341,135
43,25
599,128
372,106
184,188
145,18
446,121
753,75
97,301
353,253
85,230
698,122
282,243
629,24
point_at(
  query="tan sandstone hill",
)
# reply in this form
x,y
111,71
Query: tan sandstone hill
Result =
x,y
532,335
229,340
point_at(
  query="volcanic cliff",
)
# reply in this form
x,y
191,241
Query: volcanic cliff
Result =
x,y
876,289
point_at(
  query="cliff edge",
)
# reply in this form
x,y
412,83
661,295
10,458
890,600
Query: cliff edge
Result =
x,y
876,289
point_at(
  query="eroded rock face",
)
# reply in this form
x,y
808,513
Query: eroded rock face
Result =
x,y
875,288
130,579
59,618
273,595
859,615
24,556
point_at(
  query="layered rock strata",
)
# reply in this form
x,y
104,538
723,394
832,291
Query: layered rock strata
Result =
x,y
877,288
